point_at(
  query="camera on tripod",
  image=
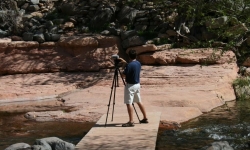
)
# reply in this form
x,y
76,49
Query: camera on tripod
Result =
x,y
116,59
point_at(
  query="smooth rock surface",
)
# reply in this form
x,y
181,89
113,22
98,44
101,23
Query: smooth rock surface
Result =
x,y
179,92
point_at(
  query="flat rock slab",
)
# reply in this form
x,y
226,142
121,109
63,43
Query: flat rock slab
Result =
x,y
179,92
116,137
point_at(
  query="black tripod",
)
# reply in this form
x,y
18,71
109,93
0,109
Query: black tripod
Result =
x,y
114,85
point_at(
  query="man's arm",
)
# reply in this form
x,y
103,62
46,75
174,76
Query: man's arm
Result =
x,y
124,64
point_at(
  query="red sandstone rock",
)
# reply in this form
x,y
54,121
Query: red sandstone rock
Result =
x,y
70,54
179,92
187,56
246,62
143,48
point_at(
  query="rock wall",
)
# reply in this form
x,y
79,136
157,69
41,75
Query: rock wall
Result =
x,y
136,23
69,54
92,53
79,53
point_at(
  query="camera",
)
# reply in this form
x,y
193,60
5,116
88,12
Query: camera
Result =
x,y
115,57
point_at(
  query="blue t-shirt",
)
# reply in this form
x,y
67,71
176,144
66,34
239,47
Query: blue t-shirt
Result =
x,y
132,72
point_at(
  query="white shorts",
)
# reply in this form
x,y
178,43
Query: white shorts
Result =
x,y
132,93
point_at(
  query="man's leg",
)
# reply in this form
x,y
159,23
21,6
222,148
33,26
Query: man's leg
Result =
x,y
142,110
130,112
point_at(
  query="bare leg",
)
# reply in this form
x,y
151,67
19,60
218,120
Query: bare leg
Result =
x,y
130,112
142,110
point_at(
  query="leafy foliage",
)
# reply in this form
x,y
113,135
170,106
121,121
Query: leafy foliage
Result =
x,y
9,16
238,18
241,87
148,34
241,82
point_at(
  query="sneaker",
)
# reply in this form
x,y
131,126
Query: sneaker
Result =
x,y
128,124
144,121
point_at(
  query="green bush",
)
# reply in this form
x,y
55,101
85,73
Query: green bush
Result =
x,y
242,88
148,34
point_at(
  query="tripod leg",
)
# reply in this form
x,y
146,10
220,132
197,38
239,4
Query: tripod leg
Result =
x,y
136,112
121,77
116,82
110,98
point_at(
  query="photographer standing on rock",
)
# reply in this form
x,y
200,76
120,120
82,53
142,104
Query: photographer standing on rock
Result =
x,y
131,74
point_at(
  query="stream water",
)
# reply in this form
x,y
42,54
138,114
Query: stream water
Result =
x,y
14,128
230,122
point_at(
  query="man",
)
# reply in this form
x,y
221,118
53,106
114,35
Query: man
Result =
x,y
131,74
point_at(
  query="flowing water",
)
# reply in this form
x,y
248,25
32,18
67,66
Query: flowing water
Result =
x,y
14,128
230,122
